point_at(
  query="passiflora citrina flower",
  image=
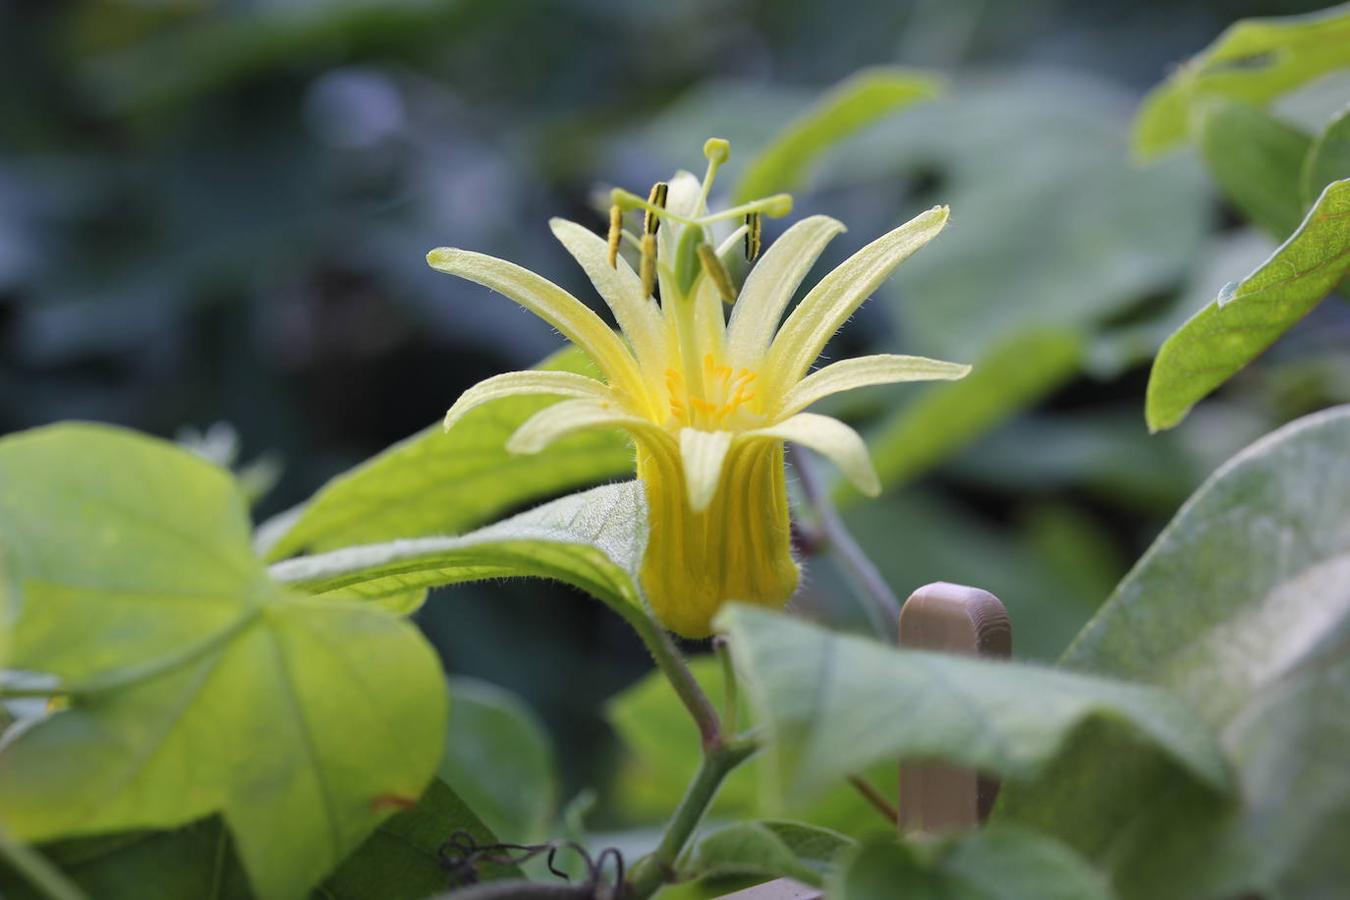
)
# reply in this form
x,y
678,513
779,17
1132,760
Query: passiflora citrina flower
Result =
x,y
708,399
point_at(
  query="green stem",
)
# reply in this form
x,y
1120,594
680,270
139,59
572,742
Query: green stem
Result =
x,y
659,868
672,665
881,605
40,873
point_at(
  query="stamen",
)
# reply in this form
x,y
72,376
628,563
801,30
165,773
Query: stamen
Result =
x,y
657,198
615,234
754,235
647,268
714,269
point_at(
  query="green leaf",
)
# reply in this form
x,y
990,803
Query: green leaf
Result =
x,y
1258,161
438,482
1241,606
994,863
401,861
771,849
855,103
831,704
1255,60
1329,158
947,416
593,540
180,658
1248,317
497,756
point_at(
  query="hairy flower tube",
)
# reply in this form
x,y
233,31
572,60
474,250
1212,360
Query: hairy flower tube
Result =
x,y
709,399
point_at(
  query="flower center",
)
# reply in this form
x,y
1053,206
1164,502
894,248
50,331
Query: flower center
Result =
x,y
725,402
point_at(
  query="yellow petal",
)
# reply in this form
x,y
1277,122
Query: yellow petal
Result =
x,y
864,371
570,417
832,439
702,454
552,304
621,289
770,286
839,294
560,384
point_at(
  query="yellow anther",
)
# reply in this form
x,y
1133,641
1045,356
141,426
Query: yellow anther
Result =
x,y
657,197
615,234
713,268
754,235
647,267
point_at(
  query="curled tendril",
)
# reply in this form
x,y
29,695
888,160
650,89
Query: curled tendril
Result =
x,y
461,856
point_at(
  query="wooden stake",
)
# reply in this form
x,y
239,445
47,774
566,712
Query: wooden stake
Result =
x,y
950,618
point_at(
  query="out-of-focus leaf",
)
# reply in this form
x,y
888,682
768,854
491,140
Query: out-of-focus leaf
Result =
x,y
862,99
771,849
179,658
830,704
995,863
1257,159
1255,60
498,758
1329,158
593,540
1242,607
662,753
438,482
1248,317
946,417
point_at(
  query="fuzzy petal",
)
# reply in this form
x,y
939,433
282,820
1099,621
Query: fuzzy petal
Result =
x,y
832,439
840,293
569,417
621,289
864,371
770,286
552,304
702,454
510,384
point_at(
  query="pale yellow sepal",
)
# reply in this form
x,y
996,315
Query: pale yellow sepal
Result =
x,y
833,440
866,371
703,453
510,384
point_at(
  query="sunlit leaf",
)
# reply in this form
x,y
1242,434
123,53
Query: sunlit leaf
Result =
x,y
856,103
831,704
593,540
439,482
1248,317
1255,60
1257,159
180,659
1242,607
997,863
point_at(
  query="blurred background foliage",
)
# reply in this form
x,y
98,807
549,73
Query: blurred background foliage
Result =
x,y
217,212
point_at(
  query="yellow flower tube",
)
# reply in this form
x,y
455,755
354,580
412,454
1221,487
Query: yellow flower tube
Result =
x,y
708,399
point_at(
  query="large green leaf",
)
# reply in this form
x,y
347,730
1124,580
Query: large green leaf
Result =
x,y
498,758
438,482
997,863
593,540
1258,161
946,417
1329,158
1242,606
830,704
1248,317
861,100
180,659
1255,60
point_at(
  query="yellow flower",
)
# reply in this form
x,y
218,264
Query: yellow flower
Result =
x,y
708,399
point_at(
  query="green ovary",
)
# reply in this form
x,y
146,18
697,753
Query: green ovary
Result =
x,y
738,549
